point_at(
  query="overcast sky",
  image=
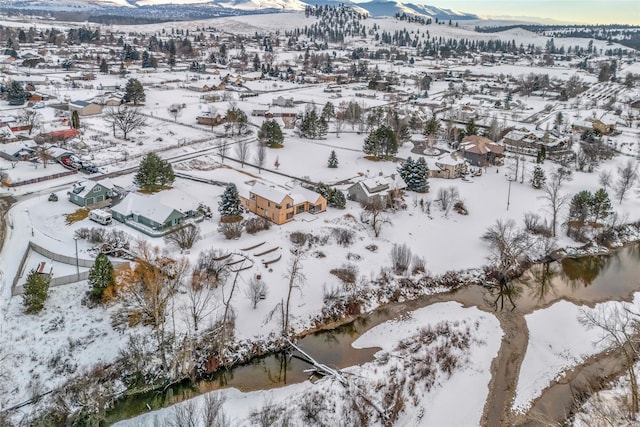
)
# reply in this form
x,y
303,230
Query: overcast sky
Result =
x,y
587,11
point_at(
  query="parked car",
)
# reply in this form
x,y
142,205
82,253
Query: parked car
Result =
x,y
39,105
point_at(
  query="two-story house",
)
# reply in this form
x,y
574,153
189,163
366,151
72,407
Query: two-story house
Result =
x,y
279,205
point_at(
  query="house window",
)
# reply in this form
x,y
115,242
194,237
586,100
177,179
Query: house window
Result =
x,y
289,205
278,206
252,196
96,189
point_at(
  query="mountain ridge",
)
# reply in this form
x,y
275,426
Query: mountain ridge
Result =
x,y
193,9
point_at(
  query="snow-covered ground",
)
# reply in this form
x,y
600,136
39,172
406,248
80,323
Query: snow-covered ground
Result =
x,y
40,358
440,406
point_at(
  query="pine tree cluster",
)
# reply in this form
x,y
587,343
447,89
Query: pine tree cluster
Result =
x,y
335,198
381,143
415,174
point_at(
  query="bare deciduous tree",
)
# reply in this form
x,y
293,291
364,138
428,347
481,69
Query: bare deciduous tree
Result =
x,y
261,155
627,177
242,151
149,286
508,245
374,214
222,149
201,299
30,118
555,200
256,290
296,280
605,179
212,413
212,268
447,197
175,111
127,119
401,258
184,237
620,325
42,152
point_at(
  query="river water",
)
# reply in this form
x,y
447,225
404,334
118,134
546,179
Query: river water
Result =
x,y
586,280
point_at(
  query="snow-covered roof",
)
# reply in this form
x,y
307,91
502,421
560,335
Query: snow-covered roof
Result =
x,y
301,195
270,193
147,206
480,145
13,148
83,188
375,185
450,159
6,133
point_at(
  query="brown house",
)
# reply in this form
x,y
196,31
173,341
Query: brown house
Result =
x,y
280,206
481,151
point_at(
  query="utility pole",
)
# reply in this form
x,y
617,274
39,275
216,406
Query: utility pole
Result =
x,y
75,239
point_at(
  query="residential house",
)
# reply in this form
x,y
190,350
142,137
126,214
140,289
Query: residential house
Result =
x,y
447,166
481,151
85,108
18,150
281,101
279,205
147,214
6,135
525,141
367,190
89,193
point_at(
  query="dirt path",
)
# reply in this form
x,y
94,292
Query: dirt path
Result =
x,y
505,369
5,204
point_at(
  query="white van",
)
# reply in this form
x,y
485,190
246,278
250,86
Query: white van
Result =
x,y
100,216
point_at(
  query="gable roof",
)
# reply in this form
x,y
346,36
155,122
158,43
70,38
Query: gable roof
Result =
x,y
480,145
270,193
301,195
84,188
149,207
380,184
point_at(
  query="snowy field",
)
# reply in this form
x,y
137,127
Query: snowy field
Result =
x,y
550,354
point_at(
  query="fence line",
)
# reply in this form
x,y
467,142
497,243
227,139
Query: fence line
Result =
x,y
41,179
56,281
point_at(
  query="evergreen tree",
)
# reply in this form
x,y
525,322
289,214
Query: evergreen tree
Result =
x,y
580,207
328,111
322,128
36,291
16,95
431,127
335,198
229,204
600,205
270,133
100,277
104,67
471,128
75,120
309,125
134,92
415,174
538,178
333,160
405,170
148,61
420,180
154,173
381,143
